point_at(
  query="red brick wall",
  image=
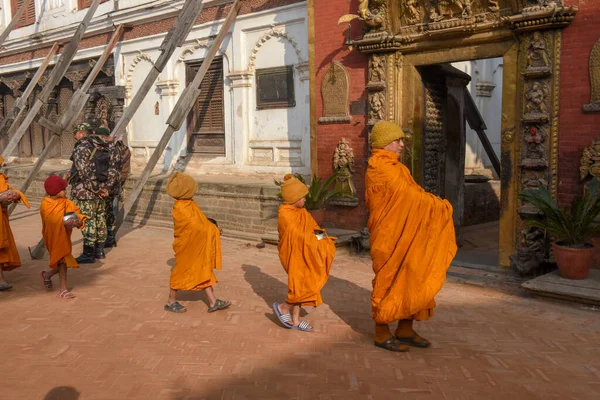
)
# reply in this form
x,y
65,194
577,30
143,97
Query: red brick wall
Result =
x,y
329,46
577,130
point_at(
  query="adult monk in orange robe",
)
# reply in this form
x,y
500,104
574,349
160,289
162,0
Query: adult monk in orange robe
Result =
x,y
306,259
412,242
197,246
9,255
57,233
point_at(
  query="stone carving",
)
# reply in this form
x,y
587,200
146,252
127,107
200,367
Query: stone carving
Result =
x,y
594,105
376,109
412,11
377,68
493,5
274,32
536,96
76,77
343,164
447,9
129,77
335,90
188,50
538,53
534,181
530,252
590,160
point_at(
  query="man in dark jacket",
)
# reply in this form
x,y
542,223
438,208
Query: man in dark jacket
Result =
x,y
94,173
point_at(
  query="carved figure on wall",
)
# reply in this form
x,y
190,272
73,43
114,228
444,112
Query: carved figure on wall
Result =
x,y
530,253
590,160
412,12
448,8
536,96
343,164
594,105
537,55
375,17
535,151
535,135
376,109
493,5
376,70
532,181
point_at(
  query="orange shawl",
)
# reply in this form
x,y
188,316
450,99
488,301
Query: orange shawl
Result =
x,y
57,237
412,241
197,248
306,259
9,255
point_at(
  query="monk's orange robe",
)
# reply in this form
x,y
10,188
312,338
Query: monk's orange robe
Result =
x,y
412,241
197,247
9,255
57,237
306,259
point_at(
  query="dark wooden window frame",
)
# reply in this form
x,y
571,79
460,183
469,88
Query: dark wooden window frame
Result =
x,y
265,76
27,18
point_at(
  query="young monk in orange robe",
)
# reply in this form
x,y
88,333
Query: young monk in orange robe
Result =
x,y
412,242
306,259
9,255
197,246
57,233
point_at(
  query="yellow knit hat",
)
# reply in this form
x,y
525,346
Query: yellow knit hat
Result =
x,y
292,189
384,133
182,186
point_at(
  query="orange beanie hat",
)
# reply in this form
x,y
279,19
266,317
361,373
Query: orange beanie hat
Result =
x,y
292,189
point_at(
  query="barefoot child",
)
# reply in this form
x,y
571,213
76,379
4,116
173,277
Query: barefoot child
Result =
x,y
197,246
57,233
9,255
306,258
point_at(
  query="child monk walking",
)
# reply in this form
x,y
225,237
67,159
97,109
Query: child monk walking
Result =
x,y
57,232
306,258
197,246
9,255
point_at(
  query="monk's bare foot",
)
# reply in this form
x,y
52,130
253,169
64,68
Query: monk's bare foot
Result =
x,y
283,308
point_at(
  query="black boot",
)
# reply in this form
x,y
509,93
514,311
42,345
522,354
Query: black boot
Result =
x,y
87,257
99,251
111,240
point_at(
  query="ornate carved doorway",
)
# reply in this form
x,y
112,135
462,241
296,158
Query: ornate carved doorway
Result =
x,y
405,35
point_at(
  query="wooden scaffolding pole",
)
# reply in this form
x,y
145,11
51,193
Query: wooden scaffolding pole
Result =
x,y
19,106
13,21
174,39
179,114
55,76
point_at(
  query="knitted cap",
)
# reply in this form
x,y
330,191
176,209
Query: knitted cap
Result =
x,y
54,185
292,189
182,186
384,133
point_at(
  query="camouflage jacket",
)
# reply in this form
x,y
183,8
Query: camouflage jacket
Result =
x,y
83,181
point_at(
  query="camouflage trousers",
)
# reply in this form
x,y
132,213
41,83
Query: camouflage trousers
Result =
x,y
109,204
94,230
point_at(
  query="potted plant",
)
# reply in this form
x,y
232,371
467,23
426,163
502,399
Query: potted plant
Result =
x,y
318,195
572,228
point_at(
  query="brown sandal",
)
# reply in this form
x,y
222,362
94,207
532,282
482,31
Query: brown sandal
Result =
x,y
415,340
392,345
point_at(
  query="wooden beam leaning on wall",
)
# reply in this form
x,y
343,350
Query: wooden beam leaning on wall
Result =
x,y
180,112
174,39
19,107
55,77
14,20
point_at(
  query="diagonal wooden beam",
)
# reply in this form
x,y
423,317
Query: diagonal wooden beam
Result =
x,y
179,114
55,76
13,21
19,106
174,38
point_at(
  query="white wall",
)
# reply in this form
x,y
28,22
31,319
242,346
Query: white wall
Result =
x,y
486,89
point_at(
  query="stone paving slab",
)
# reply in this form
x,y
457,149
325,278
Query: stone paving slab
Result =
x,y
115,341
553,285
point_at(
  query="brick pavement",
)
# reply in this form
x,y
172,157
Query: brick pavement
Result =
x,y
114,341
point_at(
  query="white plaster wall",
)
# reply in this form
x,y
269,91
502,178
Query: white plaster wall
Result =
x,y
487,71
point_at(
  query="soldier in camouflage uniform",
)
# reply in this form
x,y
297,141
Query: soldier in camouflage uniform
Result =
x,y
116,193
89,189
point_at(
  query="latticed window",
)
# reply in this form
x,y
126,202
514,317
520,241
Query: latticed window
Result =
x,y
28,17
206,121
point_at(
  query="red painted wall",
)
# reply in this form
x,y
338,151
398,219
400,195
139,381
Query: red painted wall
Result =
x,y
577,129
329,47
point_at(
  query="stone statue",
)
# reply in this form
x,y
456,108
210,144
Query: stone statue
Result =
x,y
538,53
530,253
376,109
343,164
536,99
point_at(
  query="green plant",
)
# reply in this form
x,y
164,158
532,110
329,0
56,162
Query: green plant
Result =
x,y
318,191
570,226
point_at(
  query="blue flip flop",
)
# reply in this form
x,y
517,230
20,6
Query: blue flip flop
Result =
x,y
285,319
304,326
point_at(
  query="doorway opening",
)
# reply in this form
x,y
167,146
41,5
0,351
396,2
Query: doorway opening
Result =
x,y
463,117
